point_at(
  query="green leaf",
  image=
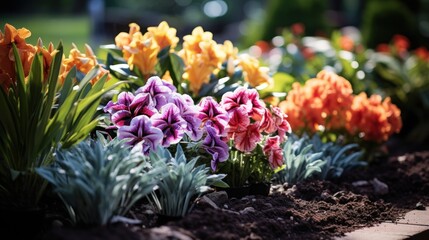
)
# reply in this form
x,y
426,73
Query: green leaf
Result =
x,y
121,71
282,84
36,99
67,86
168,61
176,68
8,121
22,98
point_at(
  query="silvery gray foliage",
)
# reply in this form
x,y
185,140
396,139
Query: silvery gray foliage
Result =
x,y
100,180
338,157
183,182
299,163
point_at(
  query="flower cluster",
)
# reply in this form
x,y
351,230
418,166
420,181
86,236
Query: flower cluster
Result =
x,y
202,57
326,103
82,62
154,115
39,113
322,102
26,52
157,115
372,118
250,120
399,47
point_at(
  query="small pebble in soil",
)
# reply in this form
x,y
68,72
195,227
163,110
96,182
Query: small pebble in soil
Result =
x,y
380,188
420,206
247,210
361,183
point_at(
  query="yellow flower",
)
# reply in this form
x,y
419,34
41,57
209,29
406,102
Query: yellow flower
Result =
x,y
231,54
272,100
143,52
164,35
192,42
124,39
230,50
197,71
212,53
167,77
254,74
201,55
201,42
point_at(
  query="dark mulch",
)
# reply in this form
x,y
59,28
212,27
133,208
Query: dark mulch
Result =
x,y
310,210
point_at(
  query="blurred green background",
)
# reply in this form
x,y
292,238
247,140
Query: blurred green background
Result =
x,y
242,21
67,29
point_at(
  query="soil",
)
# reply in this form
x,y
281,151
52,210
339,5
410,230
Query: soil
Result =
x,y
384,191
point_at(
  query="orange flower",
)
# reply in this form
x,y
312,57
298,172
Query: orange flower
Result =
x,y
300,118
322,103
164,35
83,62
7,60
13,35
346,43
393,114
48,55
373,119
254,74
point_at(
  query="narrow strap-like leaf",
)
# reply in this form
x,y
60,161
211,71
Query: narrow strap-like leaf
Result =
x,y
20,78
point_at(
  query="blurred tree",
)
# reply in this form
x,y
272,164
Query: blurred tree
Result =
x,y
44,7
383,19
280,14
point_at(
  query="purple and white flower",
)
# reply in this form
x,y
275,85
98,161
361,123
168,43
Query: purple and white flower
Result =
x,y
141,131
169,121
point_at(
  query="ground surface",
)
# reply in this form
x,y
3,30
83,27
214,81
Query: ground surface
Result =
x,y
310,210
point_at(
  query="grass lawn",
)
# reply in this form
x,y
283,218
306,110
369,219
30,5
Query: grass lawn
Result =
x,y
67,29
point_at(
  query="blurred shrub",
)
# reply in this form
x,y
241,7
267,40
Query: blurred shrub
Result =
x,y
382,20
280,14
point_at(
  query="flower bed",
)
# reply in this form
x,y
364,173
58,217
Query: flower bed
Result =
x,y
154,129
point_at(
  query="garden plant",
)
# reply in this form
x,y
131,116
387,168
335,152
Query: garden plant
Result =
x,y
153,126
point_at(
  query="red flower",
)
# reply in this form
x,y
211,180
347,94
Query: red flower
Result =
x,y
273,151
383,48
297,28
401,43
422,53
238,121
246,141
